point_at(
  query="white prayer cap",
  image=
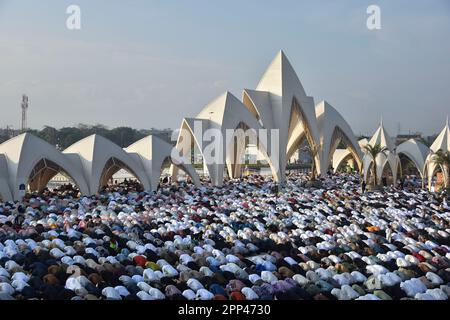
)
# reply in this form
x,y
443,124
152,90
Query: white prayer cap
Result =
x,y
268,277
122,291
249,294
203,294
194,284
189,294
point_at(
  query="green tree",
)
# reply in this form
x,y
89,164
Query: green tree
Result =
x,y
374,151
49,134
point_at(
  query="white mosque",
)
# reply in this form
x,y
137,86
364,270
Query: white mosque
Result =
x,y
278,116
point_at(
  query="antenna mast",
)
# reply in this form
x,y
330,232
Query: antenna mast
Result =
x,y
24,107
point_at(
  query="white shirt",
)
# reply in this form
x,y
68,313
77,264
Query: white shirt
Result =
x,y
189,294
194,284
111,293
203,294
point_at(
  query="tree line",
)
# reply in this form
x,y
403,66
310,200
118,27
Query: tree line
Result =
x,y
65,137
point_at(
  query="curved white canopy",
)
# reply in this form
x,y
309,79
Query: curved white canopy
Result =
x,y
333,129
382,138
381,161
222,117
5,192
31,160
100,159
280,103
389,157
153,152
342,154
416,152
442,142
339,156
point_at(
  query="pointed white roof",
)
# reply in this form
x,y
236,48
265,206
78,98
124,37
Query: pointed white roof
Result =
x,y
95,151
263,111
16,146
150,145
442,141
215,110
382,138
27,146
273,98
205,123
279,102
279,72
5,191
24,151
328,118
153,151
226,112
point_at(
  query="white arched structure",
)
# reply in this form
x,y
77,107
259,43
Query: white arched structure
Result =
x,y
416,152
34,162
100,159
153,152
442,142
388,158
280,103
333,130
213,129
5,191
277,116
341,155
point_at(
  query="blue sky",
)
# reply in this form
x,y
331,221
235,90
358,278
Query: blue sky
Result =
x,y
148,63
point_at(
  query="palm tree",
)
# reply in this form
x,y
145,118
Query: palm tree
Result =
x,y
442,159
374,151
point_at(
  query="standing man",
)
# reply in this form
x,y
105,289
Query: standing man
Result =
x,y
389,234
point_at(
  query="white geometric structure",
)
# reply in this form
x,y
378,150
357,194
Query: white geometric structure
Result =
x,y
362,143
333,130
153,152
100,159
32,161
28,163
276,117
5,192
342,156
387,158
217,120
416,151
442,142
280,102
281,107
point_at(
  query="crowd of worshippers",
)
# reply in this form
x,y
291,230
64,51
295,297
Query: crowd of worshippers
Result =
x,y
247,240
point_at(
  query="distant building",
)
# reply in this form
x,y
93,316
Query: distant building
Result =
x,y
428,140
405,137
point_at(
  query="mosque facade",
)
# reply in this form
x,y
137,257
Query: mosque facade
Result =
x,y
277,116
